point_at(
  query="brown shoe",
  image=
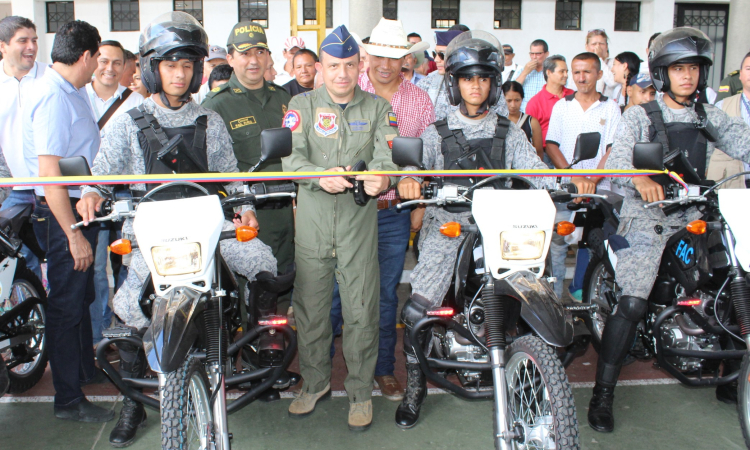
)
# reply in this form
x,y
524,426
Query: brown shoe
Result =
x,y
390,387
304,403
360,415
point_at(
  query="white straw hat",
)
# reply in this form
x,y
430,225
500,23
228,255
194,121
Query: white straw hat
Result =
x,y
388,40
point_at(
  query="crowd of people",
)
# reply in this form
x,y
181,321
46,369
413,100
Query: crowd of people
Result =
x,y
344,103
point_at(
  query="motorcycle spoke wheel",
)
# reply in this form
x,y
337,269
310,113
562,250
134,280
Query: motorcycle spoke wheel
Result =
x,y
540,400
186,418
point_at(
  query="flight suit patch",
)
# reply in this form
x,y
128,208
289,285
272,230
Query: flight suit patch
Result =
x,y
392,121
389,139
723,88
326,123
292,120
242,122
360,126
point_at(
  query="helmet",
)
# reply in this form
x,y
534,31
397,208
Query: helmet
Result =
x,y
173,35
474,53
682,45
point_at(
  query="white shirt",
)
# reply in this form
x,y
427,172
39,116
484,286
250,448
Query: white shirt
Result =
x,y
282,78
507,70
608,78
99,106
14,94
199,96
568,120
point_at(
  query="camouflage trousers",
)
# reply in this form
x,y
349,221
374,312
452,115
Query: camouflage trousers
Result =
x,y
244,258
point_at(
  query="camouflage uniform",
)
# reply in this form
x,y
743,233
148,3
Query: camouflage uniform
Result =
x,y
120,153
434,85
432,276
647,230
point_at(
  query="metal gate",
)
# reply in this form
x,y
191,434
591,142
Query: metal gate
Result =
x,y
711,19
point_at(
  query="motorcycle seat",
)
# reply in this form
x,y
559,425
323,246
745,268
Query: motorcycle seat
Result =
x,y
14,218
279,283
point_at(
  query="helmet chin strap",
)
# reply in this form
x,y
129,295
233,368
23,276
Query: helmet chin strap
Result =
x,y
482,109
184,99
686,104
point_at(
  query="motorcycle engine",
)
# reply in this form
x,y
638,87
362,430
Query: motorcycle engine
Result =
x,y
457,348
680,332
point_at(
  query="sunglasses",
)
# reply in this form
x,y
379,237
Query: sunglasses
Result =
x,y
441,55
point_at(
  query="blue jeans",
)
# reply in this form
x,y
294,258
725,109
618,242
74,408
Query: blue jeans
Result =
x,y
71,355
582,263
394,228
22,198
101,313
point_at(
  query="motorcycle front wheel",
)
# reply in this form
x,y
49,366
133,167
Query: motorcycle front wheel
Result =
x,y
540,401
185,408
743,398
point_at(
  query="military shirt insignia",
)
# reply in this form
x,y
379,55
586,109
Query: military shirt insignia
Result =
x,y
360,125
392,121
242,122
292,120
237,90
271,88
216,89
723,88
326,124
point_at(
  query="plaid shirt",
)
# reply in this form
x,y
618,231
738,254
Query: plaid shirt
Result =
x,y
414,111
531,85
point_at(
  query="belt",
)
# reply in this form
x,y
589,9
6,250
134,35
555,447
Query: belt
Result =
x,y
43,200
386,204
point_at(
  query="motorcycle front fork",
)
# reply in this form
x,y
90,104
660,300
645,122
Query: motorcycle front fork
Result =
x,y
221,427
504,436
739,290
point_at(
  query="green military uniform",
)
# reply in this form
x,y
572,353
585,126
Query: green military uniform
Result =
x,y
246,113
729,86
335,235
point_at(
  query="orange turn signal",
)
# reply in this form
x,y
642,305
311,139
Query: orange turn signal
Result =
x,y
451,229
121,247
565,228
245,233
697,227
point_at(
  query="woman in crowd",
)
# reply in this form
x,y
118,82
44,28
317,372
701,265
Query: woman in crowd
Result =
x,y
626,65
513,92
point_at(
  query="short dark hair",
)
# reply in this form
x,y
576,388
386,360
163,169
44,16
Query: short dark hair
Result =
x,y
411,35
72,40
305,51
459,27
651,39
10,25
220,73
540,42
129,56
588,56
114,44
513,86
743,59
550,64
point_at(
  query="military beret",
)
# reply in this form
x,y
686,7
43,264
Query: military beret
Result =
x,y
445,37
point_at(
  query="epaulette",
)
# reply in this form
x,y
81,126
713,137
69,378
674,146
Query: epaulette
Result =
x,y
213,92
732,74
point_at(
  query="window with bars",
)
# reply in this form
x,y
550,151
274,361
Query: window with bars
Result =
x,y
254,10
508,14
124,15
445,13
627,16
309,13
567,15
58,14
390,9
192,7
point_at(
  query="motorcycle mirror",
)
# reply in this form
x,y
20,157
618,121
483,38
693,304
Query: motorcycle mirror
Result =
x,y
407,151
275,143
648,156
587,146
75,166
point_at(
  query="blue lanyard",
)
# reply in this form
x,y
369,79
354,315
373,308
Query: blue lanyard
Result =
x,y
746,104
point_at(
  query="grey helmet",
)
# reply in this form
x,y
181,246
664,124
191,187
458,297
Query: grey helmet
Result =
x,y
474,53
174,35
682,45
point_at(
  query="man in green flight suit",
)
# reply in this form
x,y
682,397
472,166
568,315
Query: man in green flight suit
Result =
x,y
334,127
249,104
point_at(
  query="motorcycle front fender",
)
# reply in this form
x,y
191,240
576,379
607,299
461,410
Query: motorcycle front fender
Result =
x,y
540,307
172,332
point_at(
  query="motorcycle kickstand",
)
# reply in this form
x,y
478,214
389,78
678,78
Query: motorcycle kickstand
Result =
x,y
504,436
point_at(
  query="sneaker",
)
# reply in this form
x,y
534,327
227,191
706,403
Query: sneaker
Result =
x,y
576,296
304,402
360,415
390,387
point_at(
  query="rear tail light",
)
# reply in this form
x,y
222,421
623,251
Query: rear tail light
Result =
x,y
689,302
441,312
273,321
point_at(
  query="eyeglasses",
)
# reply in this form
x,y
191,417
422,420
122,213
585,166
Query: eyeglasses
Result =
x,y
441,55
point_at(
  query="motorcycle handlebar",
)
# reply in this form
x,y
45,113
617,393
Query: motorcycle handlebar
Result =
x,y
281,188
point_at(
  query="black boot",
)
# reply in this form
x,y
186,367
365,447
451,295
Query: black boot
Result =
x,y
133,414
601,417
407,413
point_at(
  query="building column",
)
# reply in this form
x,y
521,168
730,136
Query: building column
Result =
x,y
738,34
364,15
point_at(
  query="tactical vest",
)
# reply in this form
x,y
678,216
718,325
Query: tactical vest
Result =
x,y
685,144
475,154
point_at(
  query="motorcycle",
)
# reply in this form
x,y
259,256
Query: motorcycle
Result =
x,y
194,343
500,325
699,307
23,349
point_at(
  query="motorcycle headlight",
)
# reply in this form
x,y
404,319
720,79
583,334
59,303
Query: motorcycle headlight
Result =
x,y
522,244
178,259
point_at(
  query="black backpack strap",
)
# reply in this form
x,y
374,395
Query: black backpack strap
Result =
x,y
199,139
498,141
708,131
150,128
657,122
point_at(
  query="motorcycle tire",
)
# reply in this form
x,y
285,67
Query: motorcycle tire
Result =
x,y
540,398
186,415
23,377
595,275
743,398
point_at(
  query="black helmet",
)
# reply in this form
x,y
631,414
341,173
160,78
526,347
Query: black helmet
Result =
x,y
474,53
173,35
682,45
